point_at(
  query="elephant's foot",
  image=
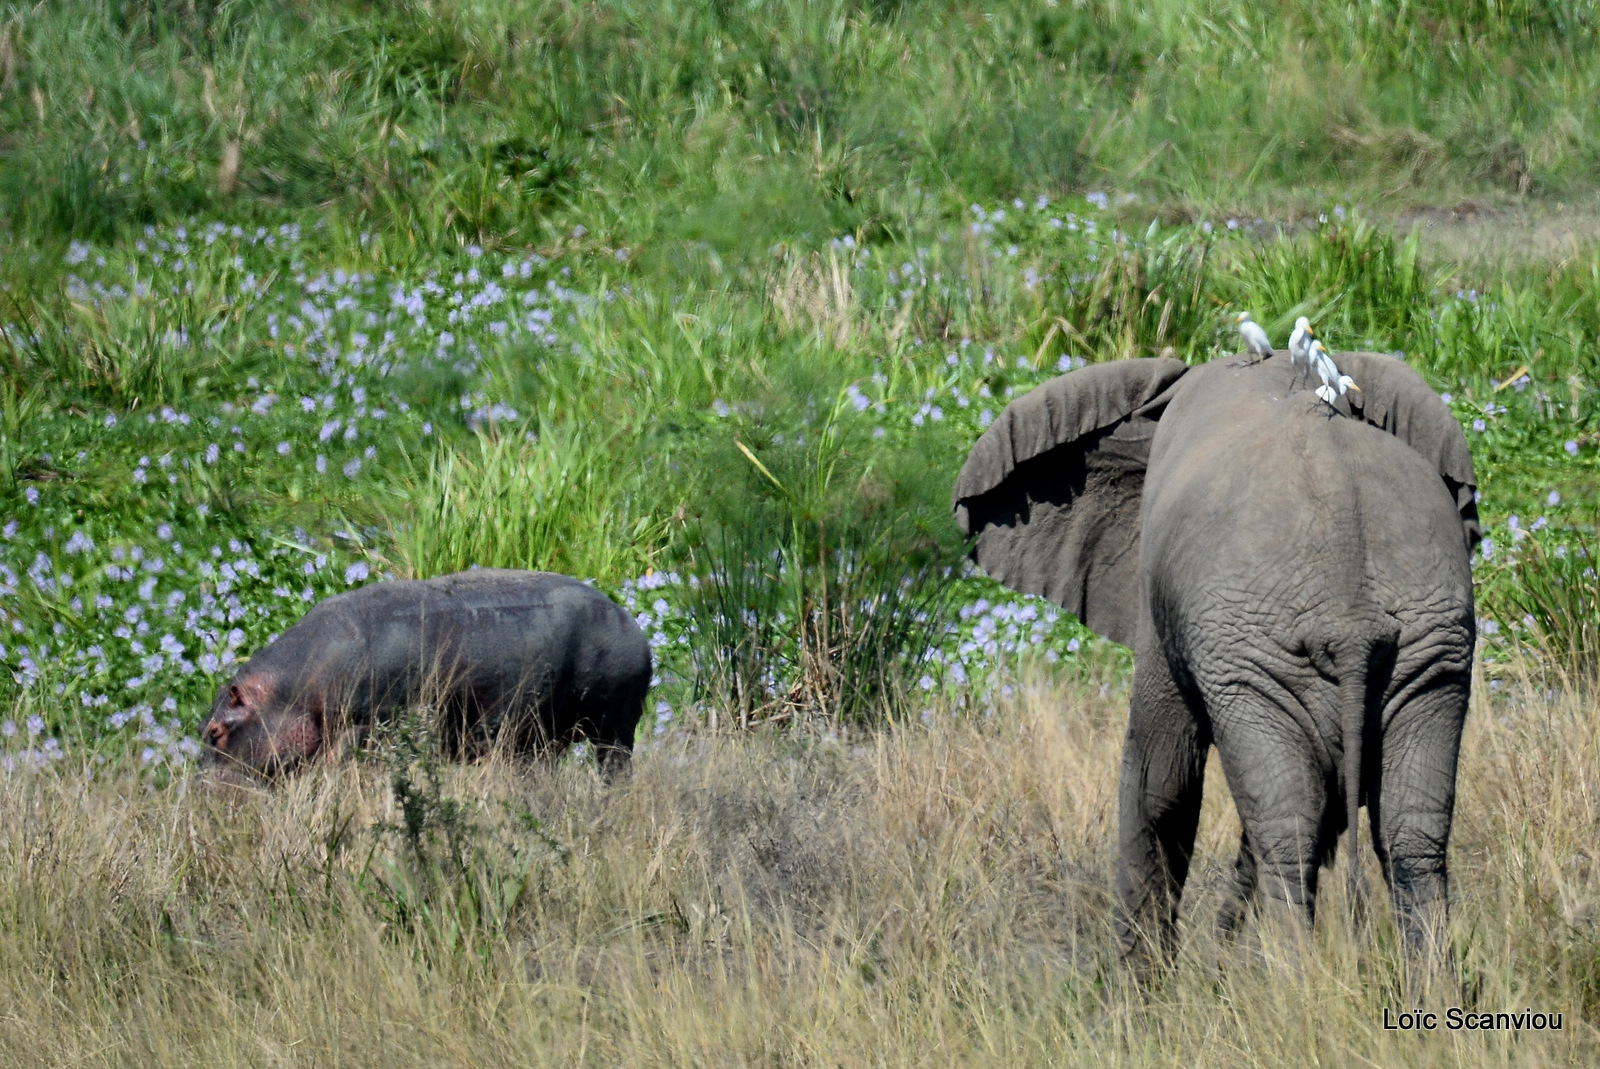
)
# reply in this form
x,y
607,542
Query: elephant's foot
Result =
x,y
1430,962
1147,949
1231,918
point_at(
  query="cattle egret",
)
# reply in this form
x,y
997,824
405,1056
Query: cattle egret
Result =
x,y
1334,385
1300,345
1255,339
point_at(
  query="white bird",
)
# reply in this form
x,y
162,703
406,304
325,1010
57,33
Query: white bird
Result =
x,y
1255,339
1300,345
1334,385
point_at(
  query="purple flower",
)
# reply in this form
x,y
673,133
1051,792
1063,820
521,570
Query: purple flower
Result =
x,y
1571,448
356,573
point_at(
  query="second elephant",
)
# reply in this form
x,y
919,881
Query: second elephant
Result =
x,y
1295,583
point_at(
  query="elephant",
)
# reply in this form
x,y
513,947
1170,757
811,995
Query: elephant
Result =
x,y
1294,579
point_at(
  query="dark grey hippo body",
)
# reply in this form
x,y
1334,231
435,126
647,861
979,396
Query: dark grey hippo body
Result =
x,y
529,661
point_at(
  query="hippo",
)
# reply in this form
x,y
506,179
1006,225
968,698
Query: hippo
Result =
x,y
528,662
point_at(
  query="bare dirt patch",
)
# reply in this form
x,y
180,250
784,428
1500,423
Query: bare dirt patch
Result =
x,y
1479,232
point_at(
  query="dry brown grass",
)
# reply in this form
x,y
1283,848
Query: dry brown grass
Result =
x,y
926,897
816,293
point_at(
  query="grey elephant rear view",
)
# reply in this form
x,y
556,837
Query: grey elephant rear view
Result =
x,y
1296,585
527,661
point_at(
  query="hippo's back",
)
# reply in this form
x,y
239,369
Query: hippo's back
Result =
x,y
505,639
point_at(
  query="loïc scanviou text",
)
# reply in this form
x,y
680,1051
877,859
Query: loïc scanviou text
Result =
x,y
1456,1019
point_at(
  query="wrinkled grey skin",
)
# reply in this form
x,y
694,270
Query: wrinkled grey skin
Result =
x,y
527,661
1295,583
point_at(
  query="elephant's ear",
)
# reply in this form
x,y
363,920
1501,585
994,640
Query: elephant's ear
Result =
x,y
1394,398
1051,491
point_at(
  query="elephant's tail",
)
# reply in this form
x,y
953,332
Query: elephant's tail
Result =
x,y
1352,663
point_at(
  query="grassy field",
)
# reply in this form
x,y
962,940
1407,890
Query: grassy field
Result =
x,y
706,303
932,897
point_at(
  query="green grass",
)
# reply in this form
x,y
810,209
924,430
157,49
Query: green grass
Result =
x,y
550,502
445,122
706,303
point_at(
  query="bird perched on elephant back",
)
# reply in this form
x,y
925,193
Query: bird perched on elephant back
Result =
x,y
1300,340
1335,384
1255,338
1296,589
527,661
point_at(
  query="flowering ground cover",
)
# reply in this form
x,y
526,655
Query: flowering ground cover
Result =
x,y
295,297
315,414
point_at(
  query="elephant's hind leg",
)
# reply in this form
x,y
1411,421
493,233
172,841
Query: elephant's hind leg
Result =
x,y
1411,806
1282,797
1163,772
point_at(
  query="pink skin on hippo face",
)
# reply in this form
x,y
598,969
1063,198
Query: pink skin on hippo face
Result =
x,y
253,732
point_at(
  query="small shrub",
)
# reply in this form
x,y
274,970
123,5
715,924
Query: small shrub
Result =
x,y
1356,283
457,883
792,624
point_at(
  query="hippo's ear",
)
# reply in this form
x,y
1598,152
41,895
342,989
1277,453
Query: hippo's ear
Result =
x,y
1051,492
235,696
1394,398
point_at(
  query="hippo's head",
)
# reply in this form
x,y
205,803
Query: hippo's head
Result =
x,y
256,732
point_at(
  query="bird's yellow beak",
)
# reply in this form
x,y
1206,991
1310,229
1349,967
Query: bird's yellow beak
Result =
x,y
1354,387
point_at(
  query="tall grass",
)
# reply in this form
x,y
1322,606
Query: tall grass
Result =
x,y
811,599
1359,284
513,498
786,631
448,122
936,895
1549,596
148,350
